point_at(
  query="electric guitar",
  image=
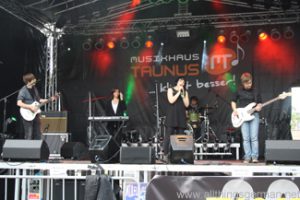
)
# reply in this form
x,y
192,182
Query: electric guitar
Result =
x,y
245,114
28,115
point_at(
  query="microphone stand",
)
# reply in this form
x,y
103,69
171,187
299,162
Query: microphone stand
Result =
x,y
4,99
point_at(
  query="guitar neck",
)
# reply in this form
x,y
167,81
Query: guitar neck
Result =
x,y
265,104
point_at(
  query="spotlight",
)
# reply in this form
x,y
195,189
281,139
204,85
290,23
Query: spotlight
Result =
x,y
87,45
204,147
99,45
136,42
149,42
111,44
275,34
234,37
262,35
288,33
221,37
244,37
124,44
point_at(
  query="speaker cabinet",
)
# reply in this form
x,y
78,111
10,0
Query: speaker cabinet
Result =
x,y
25,150
74,151
68,187
55,141
282,151
54,122
104,149
137,155
182,149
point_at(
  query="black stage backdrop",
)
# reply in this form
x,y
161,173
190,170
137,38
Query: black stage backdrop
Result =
x,y
21,51
212,78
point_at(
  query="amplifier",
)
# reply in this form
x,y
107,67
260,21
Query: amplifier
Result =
x,y
55,141
54,122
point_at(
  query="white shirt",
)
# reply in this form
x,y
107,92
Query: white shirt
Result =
x,y
115,106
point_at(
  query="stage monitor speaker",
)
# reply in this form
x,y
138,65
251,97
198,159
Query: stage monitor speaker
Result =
x,y
25,150
104,149
182,149
137,155
54,122
74,151
282,151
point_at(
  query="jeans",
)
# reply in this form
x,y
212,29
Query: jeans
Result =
x,y
32,129
250,137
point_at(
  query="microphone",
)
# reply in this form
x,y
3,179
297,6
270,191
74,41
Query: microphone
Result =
x,y
182,93
46,128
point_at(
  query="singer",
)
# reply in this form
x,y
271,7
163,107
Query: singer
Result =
x,y
178,100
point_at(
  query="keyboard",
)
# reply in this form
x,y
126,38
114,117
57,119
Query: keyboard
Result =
x,y
109,118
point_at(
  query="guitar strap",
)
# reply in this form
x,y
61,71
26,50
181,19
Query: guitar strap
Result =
x,y
33,93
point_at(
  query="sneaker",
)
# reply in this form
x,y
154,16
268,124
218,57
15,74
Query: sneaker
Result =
x,y
246,161
254,160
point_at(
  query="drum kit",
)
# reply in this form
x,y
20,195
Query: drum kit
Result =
x,y
198,124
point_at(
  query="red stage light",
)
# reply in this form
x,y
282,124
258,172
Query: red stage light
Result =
x,y
263,36
149,44
111,44
221,39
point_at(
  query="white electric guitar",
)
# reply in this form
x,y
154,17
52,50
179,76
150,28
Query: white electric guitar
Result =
x,y
245,114
28,115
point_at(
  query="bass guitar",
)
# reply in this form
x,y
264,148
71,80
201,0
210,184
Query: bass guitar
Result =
x,y
246,113
28,115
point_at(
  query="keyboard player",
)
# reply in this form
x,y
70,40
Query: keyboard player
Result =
x,y
115,107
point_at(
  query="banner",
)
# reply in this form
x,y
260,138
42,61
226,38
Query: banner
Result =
x,y
223,188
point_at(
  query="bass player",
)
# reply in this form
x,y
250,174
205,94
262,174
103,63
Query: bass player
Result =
x,y
245,95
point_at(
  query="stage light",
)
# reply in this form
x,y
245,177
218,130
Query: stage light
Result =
x,y
204,147
149,43
262,35
99,45
234,37
136,42
275,34
111,44
244,37
288,33
124,44
221,37
87,45
216,146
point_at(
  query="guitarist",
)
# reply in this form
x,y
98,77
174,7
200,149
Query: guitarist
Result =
x,y
27,95
245,95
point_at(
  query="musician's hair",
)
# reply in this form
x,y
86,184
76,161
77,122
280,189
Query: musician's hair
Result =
x,y
28,77
179,78
194,98
246,77
113,90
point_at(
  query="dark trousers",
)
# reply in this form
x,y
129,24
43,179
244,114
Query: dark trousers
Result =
x,y
171,131
32,129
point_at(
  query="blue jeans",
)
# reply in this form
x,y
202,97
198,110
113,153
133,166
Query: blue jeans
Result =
x,y
250,137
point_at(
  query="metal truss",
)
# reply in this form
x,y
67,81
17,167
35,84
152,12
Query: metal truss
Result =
x,y
51,70
179,21
34,20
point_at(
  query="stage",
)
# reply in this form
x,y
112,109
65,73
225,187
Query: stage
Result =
x,y
140,175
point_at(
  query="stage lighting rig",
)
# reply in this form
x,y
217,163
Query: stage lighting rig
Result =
x,y
99,45
234,37
87,44
136,42
244,37
288,33
124,43
275,34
